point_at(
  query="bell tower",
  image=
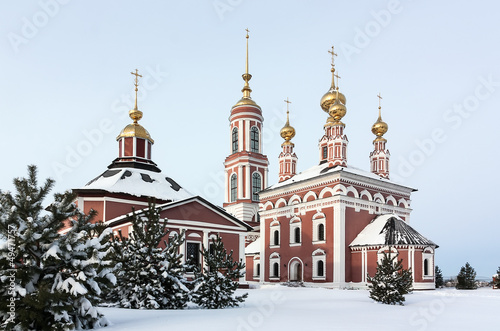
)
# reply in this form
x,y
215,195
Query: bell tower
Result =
x,y
333,144
246,168
287,158
379,158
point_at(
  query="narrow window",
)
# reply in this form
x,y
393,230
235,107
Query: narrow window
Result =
x,y
276,237
254,140
321,268
321,232
297,235
325,152
256,186
426,267
276,269
235,140
257,273
234,187
193,253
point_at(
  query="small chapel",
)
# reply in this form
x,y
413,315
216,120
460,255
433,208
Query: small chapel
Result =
x,y
133,179
330,224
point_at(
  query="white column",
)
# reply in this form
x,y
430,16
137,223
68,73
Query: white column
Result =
x,y
247,135
240,182
339,244
249,183
240,135
134,146
263,239
241,249
205,245
182,248
227,189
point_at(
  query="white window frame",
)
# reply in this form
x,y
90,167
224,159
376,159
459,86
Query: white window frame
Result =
x,y
275,225
315,224
428,254
318,255
256,261
295,222
274,258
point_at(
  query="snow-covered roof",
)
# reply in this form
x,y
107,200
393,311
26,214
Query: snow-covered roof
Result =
x,y
254,247
323,169
138,182
389,229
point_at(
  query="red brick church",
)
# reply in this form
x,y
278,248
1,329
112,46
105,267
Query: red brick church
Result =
x,y
330,224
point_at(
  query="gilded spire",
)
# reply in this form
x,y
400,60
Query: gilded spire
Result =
x,y
135,129
287,132
329,97
246,100
337,109
380,127
135,114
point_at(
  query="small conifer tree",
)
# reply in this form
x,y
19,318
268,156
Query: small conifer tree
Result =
x,y
391,281
215,286
496,279
148,276
466,278
439,277
54,280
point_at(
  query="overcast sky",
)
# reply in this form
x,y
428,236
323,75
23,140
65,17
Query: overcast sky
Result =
x,y
66,88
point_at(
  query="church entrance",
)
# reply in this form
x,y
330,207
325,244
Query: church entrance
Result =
x,y
295,271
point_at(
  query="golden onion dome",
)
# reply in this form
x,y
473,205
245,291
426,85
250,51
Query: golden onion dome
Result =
x,y
287,132
329,97
135,130
246,101
337,111
379,128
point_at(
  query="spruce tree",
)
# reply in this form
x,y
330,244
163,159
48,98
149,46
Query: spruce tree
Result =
x,y
148,276
438,277
391,281
496,279
215,286
466,278
53,279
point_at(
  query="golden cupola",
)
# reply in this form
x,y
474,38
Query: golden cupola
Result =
x,y
135,129
288,131
332,95
246,99
380,127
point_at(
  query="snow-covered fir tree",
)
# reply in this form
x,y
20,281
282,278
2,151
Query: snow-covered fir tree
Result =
x,y
53,279
216,284
391,281
148,276
466,278
438,277
496,279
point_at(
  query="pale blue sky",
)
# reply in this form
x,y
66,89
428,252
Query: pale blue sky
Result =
x,y
66,74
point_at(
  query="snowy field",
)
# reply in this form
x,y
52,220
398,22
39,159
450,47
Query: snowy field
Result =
x,y
281,308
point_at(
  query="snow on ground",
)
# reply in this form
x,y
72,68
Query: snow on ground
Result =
x,y
282,308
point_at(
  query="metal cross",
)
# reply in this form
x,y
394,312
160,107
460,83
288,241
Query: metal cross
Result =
x,y
333,54
287,103
247,31
337,80
379,99
136,74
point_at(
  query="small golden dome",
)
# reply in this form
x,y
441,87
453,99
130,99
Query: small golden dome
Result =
x,y
287,133
380,127
329,97
246,101
135,130
337,110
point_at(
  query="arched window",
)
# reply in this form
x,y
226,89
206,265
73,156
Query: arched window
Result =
x,y
276,269
234,187
254,139
276,235
321,268
321,231
235,140
426,267
297,234
256,186
325,152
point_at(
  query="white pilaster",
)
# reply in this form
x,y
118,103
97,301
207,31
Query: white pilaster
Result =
x,y
339,244
249,183
241,250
